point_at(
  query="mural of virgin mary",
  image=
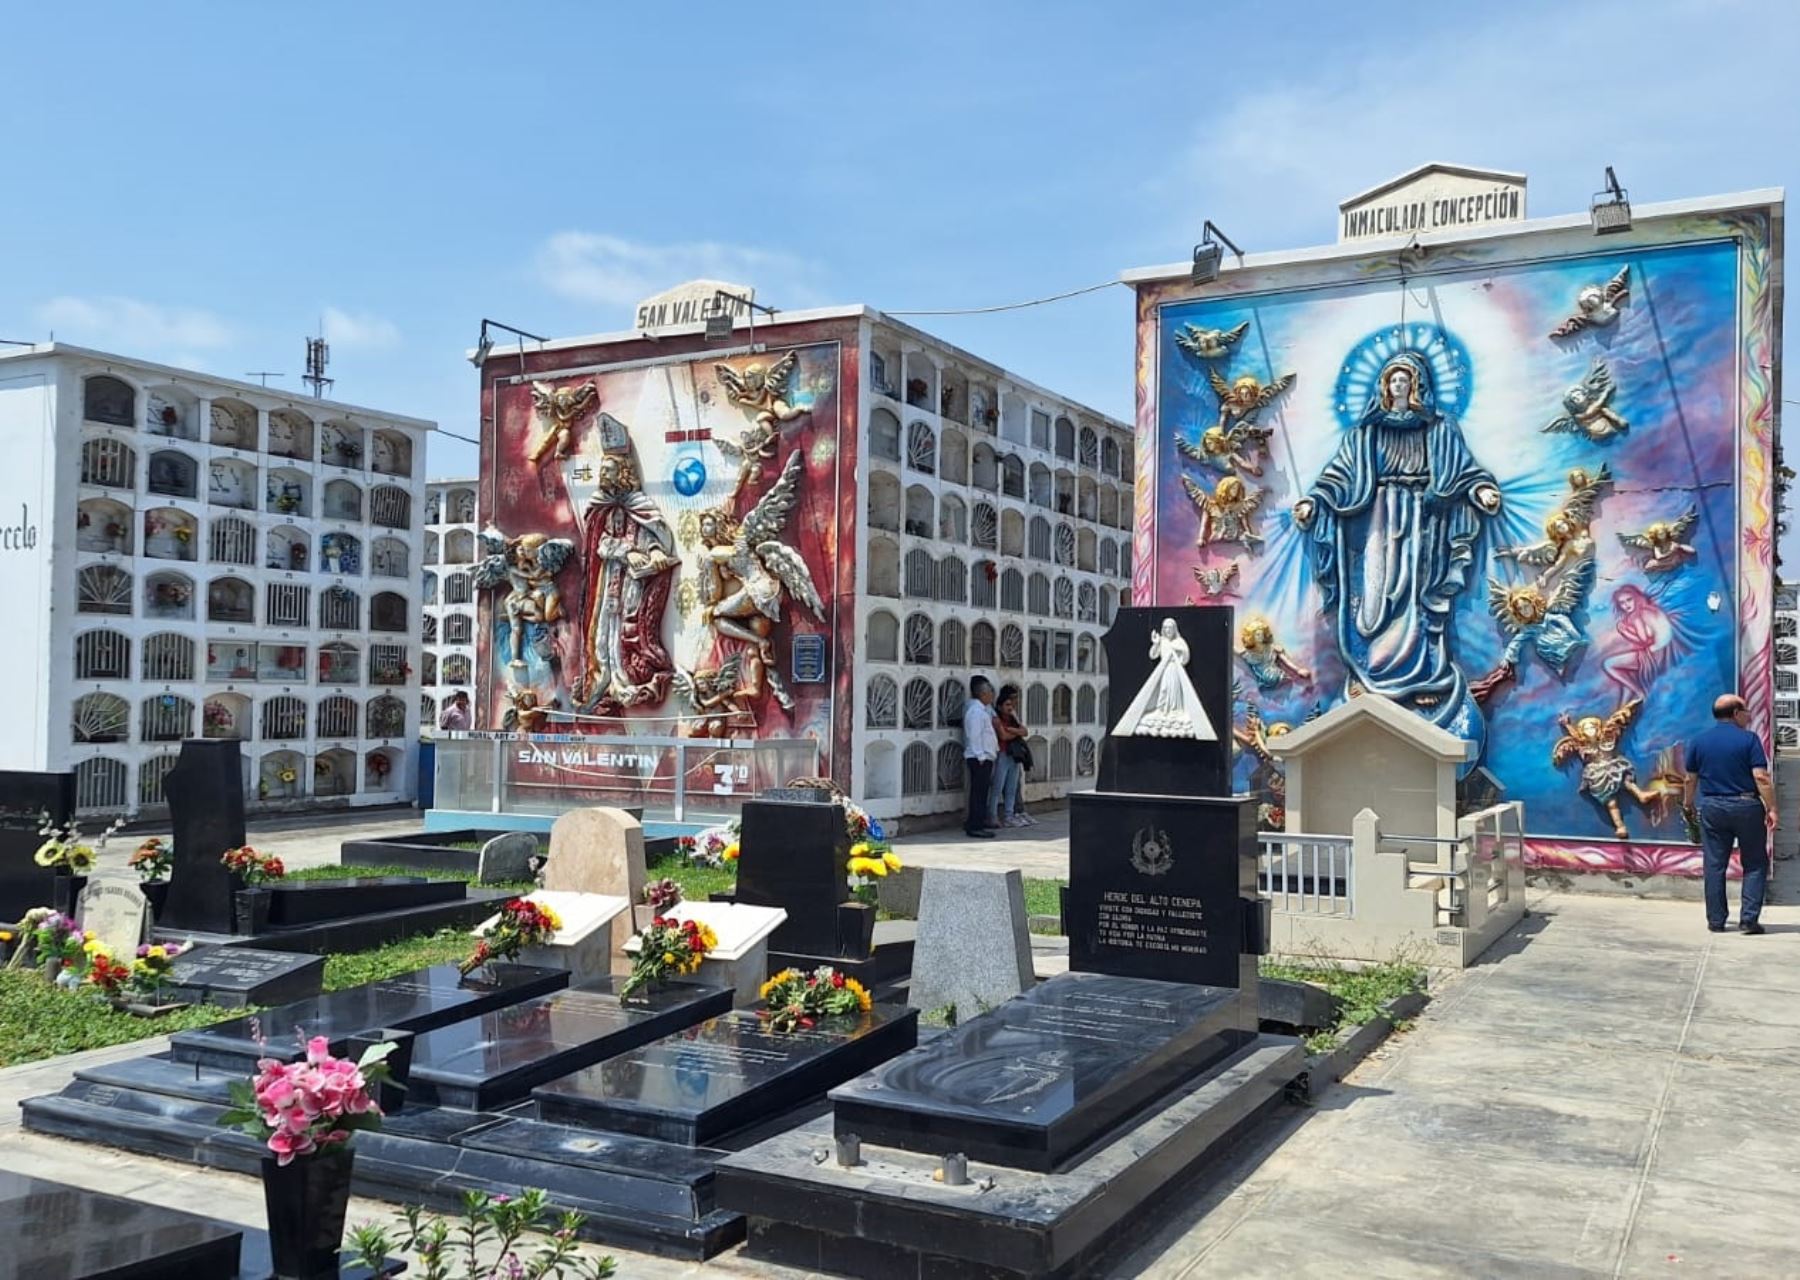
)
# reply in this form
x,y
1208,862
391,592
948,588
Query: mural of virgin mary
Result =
x,y
1393,526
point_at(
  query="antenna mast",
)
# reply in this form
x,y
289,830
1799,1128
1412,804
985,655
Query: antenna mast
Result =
x,y
318,355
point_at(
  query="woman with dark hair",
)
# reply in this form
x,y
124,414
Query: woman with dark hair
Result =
x,y
1015,758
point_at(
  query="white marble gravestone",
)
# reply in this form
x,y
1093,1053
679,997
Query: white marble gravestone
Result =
x,y
741,960
583,946
115,909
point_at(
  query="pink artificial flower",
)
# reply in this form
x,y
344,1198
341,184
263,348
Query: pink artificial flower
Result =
x,y
318,1050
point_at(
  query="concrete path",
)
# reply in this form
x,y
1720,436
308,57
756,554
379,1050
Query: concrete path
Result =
x,y
1613,1092
1040,852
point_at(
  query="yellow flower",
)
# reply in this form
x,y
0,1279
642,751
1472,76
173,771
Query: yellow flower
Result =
x,y
860,849
158,953
868,867
668,957
6,935
708,937
731,852
554,919
892,859
87,935
49,853
786,975
861,993
94,947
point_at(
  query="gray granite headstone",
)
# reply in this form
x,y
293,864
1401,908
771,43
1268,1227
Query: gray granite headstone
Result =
x,y
507,858
114,909
974,951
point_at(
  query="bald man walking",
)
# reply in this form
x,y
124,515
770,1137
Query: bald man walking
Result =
x,y
1729,773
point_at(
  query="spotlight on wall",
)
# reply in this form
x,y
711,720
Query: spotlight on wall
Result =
x,y
1612,207
485,343
1210,251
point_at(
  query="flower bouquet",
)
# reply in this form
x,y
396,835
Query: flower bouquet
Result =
x,y
669,949
153,859
794,1000
255,868
64,849
107,976
60,944
660,895
522,923
872,857
713,847
151,969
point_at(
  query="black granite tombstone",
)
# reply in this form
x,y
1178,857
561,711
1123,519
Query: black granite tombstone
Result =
x,y
731,1072
236,976
1034,1081
205,790
492,1061
1169,766
50,1230
26,800
792,855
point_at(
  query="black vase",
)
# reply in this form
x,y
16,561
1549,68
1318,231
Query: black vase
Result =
x,y
156,893
251,911
306,1203
65,892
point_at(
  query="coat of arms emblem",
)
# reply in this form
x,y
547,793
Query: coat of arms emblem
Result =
x,y
1150,852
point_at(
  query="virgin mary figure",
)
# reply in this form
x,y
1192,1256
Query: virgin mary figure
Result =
x,y
1393,524
1167,706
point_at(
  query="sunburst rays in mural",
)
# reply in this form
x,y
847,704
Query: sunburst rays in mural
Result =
x,y
1451,379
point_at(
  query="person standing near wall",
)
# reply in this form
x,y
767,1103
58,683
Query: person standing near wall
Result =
x,y
1009,769
980,746
1728,771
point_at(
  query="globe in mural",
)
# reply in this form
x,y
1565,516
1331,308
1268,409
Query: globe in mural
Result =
x,y
689,477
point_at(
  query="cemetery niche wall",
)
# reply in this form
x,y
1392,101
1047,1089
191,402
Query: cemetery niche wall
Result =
x,y
663,541
1523,483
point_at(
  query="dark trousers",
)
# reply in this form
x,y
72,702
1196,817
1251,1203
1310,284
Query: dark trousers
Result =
x,y
981,773
1723,822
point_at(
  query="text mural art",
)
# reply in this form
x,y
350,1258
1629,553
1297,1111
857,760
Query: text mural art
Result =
x,y
1530,500
664,540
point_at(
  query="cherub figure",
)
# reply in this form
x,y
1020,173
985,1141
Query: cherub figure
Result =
x,y
1226,512
755,446
1663,540
764,392
1586,407
528,566
1209,344
715,698
559,407
1568,542
525,712
744,570
1241,399
1269,663
1597,304
1604,771
1216,581
1223,449
1266,776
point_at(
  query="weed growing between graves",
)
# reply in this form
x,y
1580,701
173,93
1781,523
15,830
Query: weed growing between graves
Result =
x,y
1365,992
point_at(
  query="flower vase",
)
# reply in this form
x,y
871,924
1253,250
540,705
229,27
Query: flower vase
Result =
x,y
251,911
156,893
306,1201
66,890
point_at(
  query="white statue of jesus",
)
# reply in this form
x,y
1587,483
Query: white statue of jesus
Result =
x,y
1167,706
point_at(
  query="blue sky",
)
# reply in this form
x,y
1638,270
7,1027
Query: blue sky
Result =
x,y
201,183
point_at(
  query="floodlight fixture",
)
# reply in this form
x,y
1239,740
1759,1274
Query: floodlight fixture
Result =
x,y
485,343
1210,252
1611,211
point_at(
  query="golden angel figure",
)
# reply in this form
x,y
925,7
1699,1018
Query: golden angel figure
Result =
x,y
559,408
1222,449
1269,663
527,566
1226,512
1663,540
1241,399
525,712
745,571
715,697
1604,770
1568,542
1209,344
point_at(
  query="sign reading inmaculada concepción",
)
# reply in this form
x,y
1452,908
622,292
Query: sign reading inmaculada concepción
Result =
x,y
1433,197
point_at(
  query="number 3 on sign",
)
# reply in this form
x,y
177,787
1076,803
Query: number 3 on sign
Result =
x,y
729,775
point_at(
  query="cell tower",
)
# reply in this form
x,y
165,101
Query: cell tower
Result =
x,y
318,355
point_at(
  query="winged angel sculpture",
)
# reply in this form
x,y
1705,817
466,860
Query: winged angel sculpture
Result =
x,y
527,567
745,572
764,392
1597,305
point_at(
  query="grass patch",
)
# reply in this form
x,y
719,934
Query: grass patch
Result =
x,y
1364,993
40,1020
357,968
433,873
697,883
1044,897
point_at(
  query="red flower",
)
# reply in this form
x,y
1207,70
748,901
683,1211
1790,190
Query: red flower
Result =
x,y
837,979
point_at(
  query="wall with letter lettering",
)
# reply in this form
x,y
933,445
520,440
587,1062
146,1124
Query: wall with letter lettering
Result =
x,y
27,437
1626,577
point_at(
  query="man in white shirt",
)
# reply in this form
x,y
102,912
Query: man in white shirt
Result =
x,y
981,745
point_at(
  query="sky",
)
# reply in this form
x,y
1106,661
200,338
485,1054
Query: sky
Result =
x,y
207,184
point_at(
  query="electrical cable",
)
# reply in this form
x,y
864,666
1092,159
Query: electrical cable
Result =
x,y
1011,306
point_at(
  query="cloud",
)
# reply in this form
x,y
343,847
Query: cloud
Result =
x,y
592,266
131,326
359,330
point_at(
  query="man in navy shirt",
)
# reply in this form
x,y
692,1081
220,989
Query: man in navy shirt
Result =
x,y
1729,770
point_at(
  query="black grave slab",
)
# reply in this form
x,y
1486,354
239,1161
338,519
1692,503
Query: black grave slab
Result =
x,y
792,855
361,932
726,1074
26,800
1162,887
205,791
418,1002
1035,1081
488,1062
237,976
889,954
52,1231
1172,766
305,902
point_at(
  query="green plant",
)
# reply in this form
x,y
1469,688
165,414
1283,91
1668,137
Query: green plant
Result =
x,y
358,968
1364,993
484,1243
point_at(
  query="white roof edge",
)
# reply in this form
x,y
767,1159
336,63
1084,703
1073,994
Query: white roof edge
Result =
x,y
1760,197
1428,737
173,373
1442,166
856,311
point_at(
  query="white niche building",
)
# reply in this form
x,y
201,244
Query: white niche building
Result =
x,y
200,557
447,626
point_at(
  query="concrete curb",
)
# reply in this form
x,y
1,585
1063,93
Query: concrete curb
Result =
x,y
1356,1043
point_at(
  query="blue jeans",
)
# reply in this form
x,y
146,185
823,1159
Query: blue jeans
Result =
x,y
1007,777
1743,821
